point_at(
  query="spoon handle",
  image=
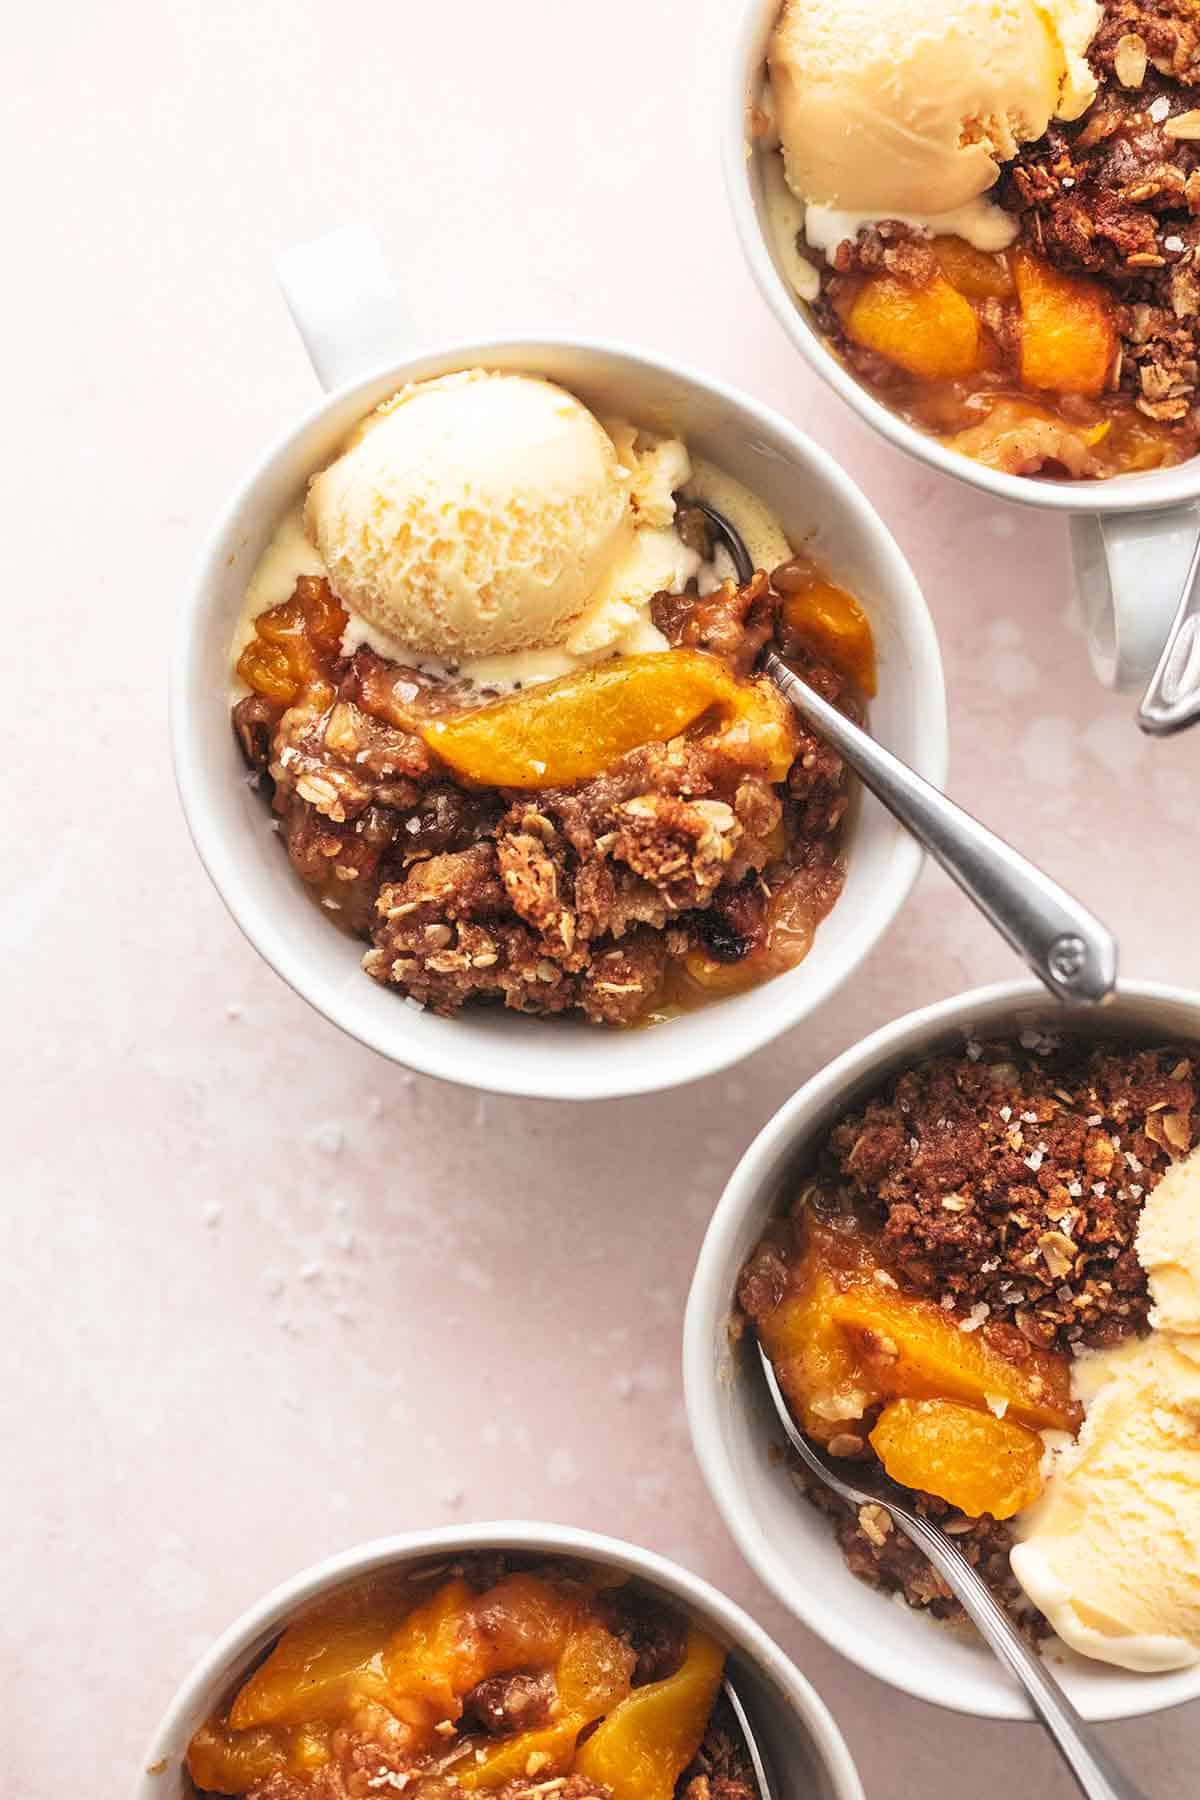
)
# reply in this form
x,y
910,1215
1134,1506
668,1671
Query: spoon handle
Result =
x,y
1098,1776
758,1762
1172,701
1063,943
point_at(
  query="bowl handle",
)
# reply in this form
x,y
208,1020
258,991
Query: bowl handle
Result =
x,y
1130,570
345,304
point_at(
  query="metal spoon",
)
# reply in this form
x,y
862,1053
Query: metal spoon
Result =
x,y
1097,1775
758,1762
1172,701
1063,943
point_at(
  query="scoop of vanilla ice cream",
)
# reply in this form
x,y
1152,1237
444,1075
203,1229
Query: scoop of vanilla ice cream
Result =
x,y
1111,1555
475,515
906,108
1168,1248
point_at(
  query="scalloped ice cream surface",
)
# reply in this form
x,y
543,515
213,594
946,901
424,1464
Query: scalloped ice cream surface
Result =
x,y
905,109
489,525
1111,1554
473,515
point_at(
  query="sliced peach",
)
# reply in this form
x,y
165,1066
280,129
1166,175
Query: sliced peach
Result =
x,y
912,1349
931,330
573,728
221,1761
977,1462
644,1745
325,1661
1068,335
820,1369
429,1660
758,712
295,644
975,273
844,1337
829,622
521,1623
591,1679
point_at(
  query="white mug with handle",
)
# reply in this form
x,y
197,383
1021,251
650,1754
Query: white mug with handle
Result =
x,y
1133,538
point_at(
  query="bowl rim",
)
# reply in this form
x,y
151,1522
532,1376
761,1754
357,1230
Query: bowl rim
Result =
x,y
424,1051
1119,495
693,1591
711,1295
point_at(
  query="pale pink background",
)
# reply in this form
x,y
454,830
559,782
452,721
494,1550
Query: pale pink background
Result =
x,y
264,1295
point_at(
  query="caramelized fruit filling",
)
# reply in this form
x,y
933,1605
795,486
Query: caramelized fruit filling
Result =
x,y
441,1684
295,645
974,1460
930,330
628,842
1005,357
846,1341
575,728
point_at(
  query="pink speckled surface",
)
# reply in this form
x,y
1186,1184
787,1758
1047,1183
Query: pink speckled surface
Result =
x,y
263,1295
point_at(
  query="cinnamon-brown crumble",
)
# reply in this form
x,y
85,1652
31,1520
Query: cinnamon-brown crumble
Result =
x,y
685,869
1117,196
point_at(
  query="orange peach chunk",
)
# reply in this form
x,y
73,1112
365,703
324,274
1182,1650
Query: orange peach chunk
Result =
x,y
644,1745
828,621
823,1375
975,273
1068,336
592,1677
576,727
844,1337
973,1460
931,330
327,1660
912,1349
571,729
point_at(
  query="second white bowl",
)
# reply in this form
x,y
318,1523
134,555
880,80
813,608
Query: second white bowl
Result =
x,y
790,1544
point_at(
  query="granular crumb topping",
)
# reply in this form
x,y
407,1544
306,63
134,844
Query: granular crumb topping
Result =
x,y
586,898
1009,1186
884,1558
1118,195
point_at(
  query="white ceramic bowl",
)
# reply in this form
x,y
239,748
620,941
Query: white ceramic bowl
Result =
x,y
491,1049
805,1747
789,1544
1128,597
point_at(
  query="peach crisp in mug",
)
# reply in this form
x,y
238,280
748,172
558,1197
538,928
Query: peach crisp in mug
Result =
x,y
980,223
466,718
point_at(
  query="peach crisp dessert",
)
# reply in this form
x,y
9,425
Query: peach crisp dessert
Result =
x,y
501,689
993,209
495,1676
990,1284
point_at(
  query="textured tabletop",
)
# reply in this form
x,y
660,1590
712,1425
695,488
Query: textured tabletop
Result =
x,y
263,1294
